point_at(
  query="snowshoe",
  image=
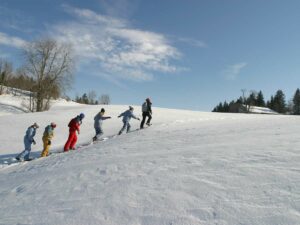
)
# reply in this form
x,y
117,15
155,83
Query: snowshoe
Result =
x,y
30,159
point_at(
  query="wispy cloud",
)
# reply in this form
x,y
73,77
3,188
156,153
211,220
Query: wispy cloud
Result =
x,y
119,8
193,42
15,20
233,71
11,41
4,55
114,47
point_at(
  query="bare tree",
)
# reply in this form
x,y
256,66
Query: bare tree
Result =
x,y
243,91
5,74
49,63
92,97
104,100
250,102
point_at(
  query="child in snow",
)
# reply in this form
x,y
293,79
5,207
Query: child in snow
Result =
x,y
147,112
74,126
127,115
47,137
28,140
98,119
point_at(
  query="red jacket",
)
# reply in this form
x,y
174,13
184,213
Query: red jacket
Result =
x,y
74,125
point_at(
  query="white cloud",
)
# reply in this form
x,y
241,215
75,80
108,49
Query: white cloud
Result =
x,y
116,48
11,41
233,71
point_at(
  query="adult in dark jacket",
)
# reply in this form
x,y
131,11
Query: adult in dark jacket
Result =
x,y
28,141
147,112
74,126
98,119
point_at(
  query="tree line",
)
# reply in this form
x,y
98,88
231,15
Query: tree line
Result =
x,y
277,102
46,73
91,99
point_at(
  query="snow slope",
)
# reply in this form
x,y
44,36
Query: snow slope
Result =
x,y
188,168
10,104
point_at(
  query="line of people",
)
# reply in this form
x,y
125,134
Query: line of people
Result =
x,y
74,129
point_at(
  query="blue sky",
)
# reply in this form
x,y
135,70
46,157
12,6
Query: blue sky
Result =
x,y
182,54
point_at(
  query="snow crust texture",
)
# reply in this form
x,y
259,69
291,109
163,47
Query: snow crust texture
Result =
x,y
188,168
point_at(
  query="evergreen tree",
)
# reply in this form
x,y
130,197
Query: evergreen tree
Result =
x,y
215,109
225,107
85,99
279,102
260,100
220,107
270,104
240,100
251,100
296,101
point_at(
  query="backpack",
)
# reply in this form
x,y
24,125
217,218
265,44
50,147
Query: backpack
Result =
x,y
145,107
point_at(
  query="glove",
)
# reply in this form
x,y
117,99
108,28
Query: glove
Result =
x,y
138,118
109,117
49,142
119,116
33,141
78,132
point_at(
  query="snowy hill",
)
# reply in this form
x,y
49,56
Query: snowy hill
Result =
x,y
16,104
188,168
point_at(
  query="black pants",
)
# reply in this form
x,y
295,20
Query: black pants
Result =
x,y
145,115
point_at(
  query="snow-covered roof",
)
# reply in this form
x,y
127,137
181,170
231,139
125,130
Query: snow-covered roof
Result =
x,y
261,110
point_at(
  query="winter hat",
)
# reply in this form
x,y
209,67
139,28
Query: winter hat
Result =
x,y
81,115
53,124
35,125
130,108
148,100
102,110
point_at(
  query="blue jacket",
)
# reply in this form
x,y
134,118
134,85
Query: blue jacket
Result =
x,y
30,133
49,132
98,120
127,115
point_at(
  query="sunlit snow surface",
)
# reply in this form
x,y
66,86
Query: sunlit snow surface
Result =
x,y
188,168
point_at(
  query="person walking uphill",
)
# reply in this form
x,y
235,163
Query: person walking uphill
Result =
x,y
147,112
47,137
28,140
127,115
74,126
98,119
